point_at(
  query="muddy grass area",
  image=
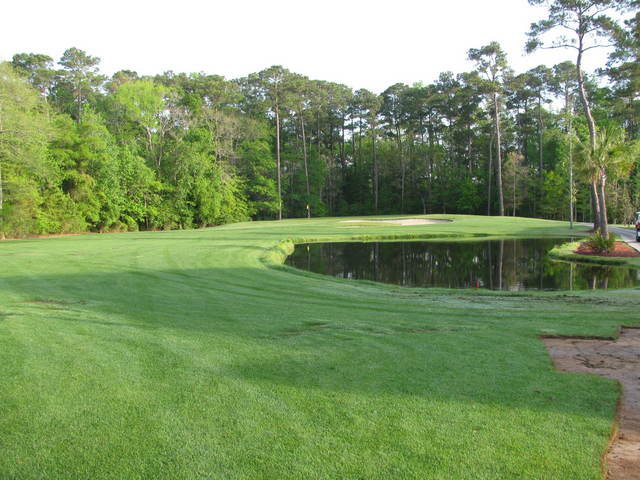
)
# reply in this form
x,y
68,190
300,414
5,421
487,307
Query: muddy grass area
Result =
x,y
621,250
620,360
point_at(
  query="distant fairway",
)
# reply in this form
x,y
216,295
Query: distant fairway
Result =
x,y
193,355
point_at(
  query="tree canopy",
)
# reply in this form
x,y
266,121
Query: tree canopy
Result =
x,y
82,151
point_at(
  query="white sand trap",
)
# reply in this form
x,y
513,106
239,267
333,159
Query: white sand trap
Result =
x,y
405,222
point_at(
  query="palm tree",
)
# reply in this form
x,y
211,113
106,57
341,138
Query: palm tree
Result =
x,y
609,155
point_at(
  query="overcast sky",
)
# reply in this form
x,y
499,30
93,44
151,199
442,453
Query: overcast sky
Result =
x,y
362,43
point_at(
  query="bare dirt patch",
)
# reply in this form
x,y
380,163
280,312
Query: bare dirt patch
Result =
x,y
49,235
404,222
621,249
620,360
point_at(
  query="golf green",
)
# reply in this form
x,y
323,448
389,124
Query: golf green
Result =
x,y
197,355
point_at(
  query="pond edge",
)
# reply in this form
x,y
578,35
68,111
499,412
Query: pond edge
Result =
x,y
566,252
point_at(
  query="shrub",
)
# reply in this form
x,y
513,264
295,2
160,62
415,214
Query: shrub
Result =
x,y
601,244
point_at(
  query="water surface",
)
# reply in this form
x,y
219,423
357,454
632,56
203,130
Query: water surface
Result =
x,y
515,265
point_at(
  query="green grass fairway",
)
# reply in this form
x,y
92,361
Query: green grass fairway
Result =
x,y
193,355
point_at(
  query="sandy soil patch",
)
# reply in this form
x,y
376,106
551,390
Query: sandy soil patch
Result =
x,y
405,222
619,360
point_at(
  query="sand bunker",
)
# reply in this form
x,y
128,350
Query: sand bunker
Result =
x,y
620,360
400,221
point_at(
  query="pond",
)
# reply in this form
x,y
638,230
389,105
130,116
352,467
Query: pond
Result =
x,y
514,265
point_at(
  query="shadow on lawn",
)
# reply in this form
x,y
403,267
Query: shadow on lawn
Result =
x,y
271,301
314,334
450,377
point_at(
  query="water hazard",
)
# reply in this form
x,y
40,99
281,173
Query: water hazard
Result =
x,y
514,265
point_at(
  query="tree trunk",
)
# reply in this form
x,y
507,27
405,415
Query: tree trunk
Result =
x,y
515,179
375,170
496,115
431,133
359,138
304,153
79,104
402,168
595,204
571,218
489,184
1,190
585,99
353,146
570,175
402,172
156,159
342,159
595,200
318,134
2,237
403,179
329,160
604,225
540,152
278,161
1,206
468,152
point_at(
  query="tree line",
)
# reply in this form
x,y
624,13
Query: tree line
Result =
x,y
80,151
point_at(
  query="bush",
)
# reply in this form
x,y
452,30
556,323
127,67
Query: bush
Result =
x,y
600,244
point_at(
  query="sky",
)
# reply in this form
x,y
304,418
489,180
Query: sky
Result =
x,y
362,43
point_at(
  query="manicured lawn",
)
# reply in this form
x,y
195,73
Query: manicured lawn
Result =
x,y
188,355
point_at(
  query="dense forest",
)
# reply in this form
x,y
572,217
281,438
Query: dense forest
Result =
x,y
80,151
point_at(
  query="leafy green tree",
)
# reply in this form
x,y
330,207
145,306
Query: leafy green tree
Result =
x,y
539,82
120,78
78,80
24,133
181,150
269,86
583,25
564,85
300,89
372,104
203,191
137,198
624,72
394,118
256,167
143,103
611,153
515,180
75,150
491,62
37,68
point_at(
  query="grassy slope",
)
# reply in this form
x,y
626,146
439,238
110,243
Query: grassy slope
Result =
x,y
181,355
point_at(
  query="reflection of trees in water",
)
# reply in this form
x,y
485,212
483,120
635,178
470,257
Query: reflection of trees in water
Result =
x,y
501,264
